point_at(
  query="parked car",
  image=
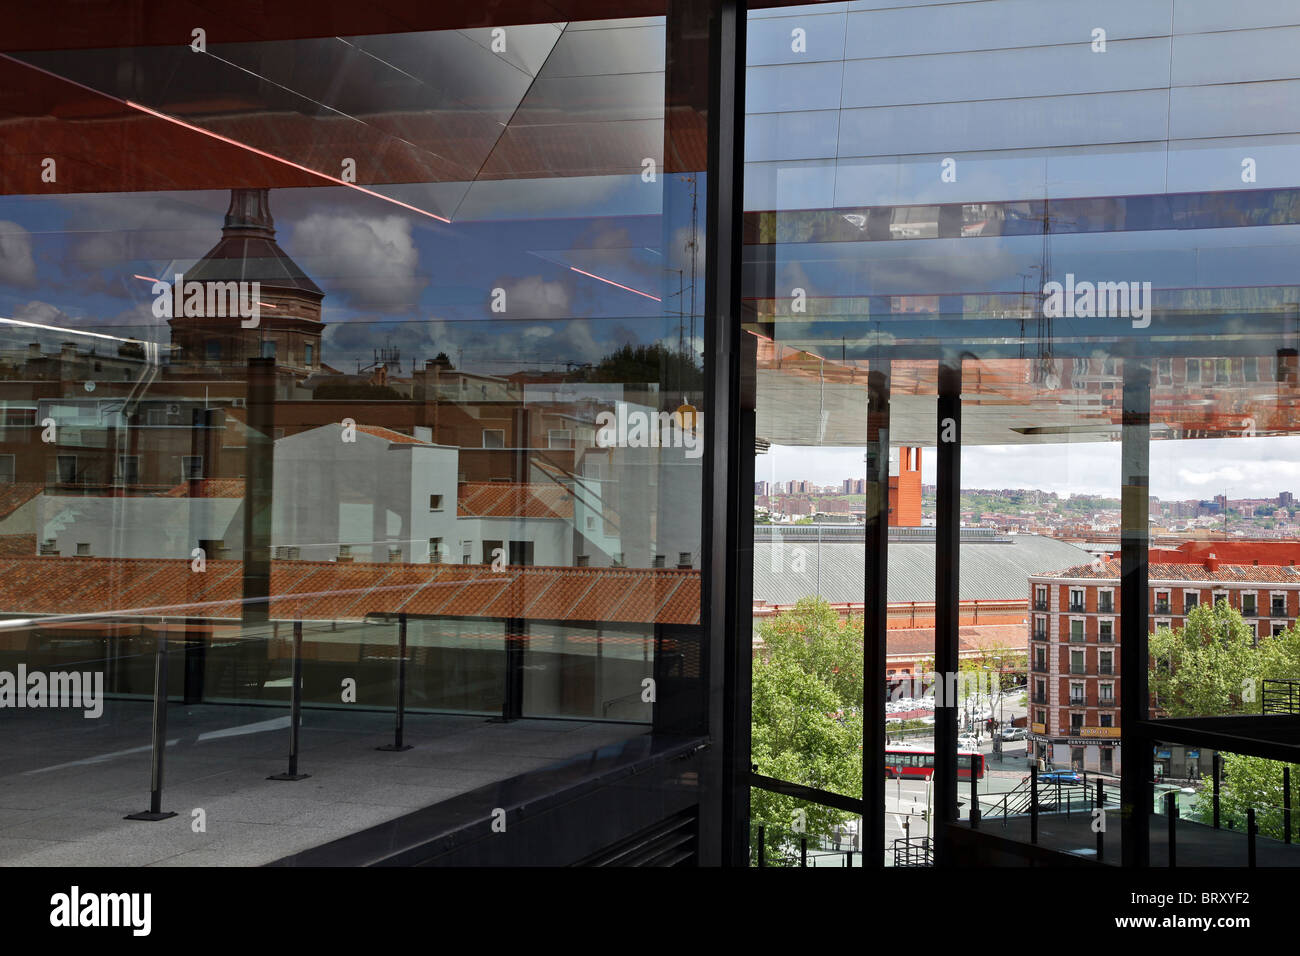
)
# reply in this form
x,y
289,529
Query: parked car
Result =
x,y
1014,733
1059,776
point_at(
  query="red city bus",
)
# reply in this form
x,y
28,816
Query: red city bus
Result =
x,y
919,762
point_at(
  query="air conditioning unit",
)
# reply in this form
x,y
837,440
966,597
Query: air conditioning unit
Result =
x,y
173,409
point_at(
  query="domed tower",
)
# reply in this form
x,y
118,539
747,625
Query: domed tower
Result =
x,y
288,325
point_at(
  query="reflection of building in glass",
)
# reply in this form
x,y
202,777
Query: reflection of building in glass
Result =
x,y
1076,634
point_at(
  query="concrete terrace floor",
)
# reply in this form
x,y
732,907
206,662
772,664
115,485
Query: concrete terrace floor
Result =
x,y
67,782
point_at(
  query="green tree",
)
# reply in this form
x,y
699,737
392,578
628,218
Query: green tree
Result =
x,y
807,720
1212,666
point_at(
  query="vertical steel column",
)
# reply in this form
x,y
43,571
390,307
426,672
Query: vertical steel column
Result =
x,y
1286,804
155,811
398,743
875,611
1218,772
947,599
1136,772
726,583
295,709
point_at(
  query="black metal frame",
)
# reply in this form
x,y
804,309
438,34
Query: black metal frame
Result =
x,y
727,581
947,594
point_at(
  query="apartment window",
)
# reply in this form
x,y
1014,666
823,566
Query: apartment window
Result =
x,y
1106,602
1106,662
582,560
1040,598
1077,694
494,438
1248,603
1040,692
1221,596
1106,631
1076,725
1076,662
1106,694
436,553
268,349
1040,628
1040,716
435,502
83,549
1278,629
1076,599
559,438
394,554
466,552
659,561
1279,605
191,467
1107,720
683,560
67,468
1162,602
128,469
308,353
8,469
1076,631
490,549
1190,600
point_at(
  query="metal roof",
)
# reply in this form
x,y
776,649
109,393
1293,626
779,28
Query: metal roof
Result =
x,y
786,572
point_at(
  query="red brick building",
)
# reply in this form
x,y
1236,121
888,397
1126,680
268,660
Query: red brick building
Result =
x,y
1075,635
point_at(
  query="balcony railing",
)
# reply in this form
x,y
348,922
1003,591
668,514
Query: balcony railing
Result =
x,y
1077,638
1040,635
1105,668
1105,607
1040,698
1076,608
1249,612
1040,605
1279,610
1107,638
1077,700
1040,667
1078,669
1162,607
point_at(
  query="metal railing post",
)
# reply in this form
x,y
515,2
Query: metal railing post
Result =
x,y
1171,811
1218,772
295,709
155,811
1286,804
1033,805
1101,830
1250,837
762,846
397,743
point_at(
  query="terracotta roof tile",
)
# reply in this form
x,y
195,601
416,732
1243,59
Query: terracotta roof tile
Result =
x,y
509,499
313,590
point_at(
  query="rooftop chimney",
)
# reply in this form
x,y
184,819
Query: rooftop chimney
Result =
x,y
1211,562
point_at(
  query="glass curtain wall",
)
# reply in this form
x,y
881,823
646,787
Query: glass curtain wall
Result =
x,y
363,365
1064,238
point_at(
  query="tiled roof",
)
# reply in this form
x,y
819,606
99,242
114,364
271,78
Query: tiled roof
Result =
x,y
17,545
970,639
207,488
990,571
1228,573
397,438
319,590
14,496
508,499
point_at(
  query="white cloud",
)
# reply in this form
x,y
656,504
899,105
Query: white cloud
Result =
x,y
370,262
17,265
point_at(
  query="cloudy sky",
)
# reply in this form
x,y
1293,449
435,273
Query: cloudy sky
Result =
x,y
1239,467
